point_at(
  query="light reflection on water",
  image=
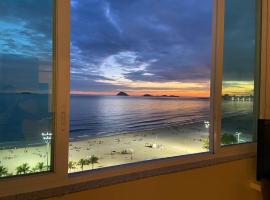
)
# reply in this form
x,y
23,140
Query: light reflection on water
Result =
x,y
239,117
93,115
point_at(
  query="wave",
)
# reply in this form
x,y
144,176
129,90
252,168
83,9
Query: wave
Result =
x,y
106,115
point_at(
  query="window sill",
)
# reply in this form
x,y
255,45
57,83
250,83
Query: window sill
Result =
x,y
255,186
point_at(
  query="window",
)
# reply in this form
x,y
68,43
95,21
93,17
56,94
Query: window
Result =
x,y
122,48
26,113
239,70
140,81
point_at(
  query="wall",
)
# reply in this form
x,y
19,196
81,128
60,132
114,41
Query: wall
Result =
x,y
229,181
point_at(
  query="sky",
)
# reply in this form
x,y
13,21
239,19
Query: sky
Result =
x,y
143,46
25,45
26,28
239,47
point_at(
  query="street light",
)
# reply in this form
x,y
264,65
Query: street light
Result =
x,y
206,124
238,136
47,137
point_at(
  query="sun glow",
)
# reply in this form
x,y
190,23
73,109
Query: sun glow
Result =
x,y
156,89
238,87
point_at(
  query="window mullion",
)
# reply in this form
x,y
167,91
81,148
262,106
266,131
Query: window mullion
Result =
x,y
62,51
218,44
265,64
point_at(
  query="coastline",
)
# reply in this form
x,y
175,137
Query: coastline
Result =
x,y
198,122
140,146
119,148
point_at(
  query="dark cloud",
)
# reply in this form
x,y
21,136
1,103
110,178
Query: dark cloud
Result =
x,y
239,46
143,40
172,38
26,77
26,28
35,16
91,85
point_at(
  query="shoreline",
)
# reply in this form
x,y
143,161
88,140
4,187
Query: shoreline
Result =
x,y
18,144
140,146
119,148
102,135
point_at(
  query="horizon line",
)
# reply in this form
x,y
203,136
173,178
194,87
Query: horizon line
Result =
x,y
134,95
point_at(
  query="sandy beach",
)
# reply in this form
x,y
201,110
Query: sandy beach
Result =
x,y
118,149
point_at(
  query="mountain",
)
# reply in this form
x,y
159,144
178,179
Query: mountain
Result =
x,y
122,94
147,95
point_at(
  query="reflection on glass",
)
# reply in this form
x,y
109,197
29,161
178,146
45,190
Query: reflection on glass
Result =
x,y
25,86
140,77
238,113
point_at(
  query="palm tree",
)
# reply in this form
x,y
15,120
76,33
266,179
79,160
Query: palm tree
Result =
x,y
23,169
34,169
3,171
227,139
71,165
19,170
83,162
206,143
93,159
40,166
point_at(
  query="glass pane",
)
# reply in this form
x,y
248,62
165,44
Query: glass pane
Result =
x,y
238,113
140,79
25,86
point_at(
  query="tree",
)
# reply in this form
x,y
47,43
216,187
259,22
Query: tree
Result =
x,y
23,169
82,162
206,143
71,165
227,139
93,159
40,166
3,171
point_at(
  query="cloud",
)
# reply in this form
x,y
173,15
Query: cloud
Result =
x,y
142,40
111,18
115,42
240,45
26,28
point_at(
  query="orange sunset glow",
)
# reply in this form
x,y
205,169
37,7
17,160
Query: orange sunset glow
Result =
x,y
155,89
151,92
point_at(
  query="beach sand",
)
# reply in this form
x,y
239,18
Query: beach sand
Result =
x,y
118,149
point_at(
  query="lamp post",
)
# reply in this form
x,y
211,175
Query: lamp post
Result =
x,y
47,137
206,124
238,136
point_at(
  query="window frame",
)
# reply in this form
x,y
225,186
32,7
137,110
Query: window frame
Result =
x,y
56,182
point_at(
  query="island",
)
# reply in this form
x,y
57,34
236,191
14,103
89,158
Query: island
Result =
x,y
174,96
147,95
122,94
26,93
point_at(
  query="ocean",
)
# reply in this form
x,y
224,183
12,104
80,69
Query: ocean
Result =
x,y
24,116
103,115
239,117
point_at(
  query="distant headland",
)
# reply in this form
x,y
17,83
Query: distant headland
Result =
x,y
147,95
169,96
121,93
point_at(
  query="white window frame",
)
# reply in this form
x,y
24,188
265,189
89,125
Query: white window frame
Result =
x,y
54,183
